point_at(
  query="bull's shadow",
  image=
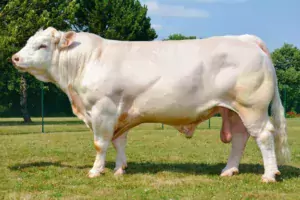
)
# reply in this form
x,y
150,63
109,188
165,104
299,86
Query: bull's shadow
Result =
x,y
287,172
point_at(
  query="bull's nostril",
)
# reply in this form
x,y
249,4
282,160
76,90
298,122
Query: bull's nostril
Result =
x,y
16,59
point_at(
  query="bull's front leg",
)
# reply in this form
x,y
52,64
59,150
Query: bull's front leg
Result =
x,y
103,117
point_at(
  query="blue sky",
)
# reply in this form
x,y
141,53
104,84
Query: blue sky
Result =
x,y
275,21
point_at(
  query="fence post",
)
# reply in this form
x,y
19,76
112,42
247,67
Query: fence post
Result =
x,y
285,101
209,123
42,105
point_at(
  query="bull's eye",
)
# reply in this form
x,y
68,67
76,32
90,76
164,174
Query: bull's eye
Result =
x,y
42,46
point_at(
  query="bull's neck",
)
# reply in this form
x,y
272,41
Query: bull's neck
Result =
x,y
67,66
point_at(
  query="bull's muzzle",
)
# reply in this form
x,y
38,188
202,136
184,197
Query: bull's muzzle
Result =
x,y
15,59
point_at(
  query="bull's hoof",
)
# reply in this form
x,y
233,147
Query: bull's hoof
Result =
x,y
188,136
119,172
94,173
266,179
230,172
270,178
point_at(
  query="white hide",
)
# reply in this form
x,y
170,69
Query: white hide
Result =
x,y
116,85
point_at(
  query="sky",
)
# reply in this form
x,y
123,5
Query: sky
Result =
x,y
274,21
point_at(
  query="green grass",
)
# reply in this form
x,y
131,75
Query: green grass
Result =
x,y
162,164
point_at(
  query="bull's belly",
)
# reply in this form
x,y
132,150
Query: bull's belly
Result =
x,y
177,114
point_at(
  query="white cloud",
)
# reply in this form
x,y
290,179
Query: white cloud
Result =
x,y
156,26
166,10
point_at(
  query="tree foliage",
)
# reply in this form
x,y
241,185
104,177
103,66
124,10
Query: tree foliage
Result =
x,y
18,21
116,19
178,36
287,56
287,63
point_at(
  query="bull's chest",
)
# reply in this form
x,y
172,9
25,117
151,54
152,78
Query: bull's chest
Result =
x,y
78,107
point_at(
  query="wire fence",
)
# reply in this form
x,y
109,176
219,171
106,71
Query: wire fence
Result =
x,y
15,126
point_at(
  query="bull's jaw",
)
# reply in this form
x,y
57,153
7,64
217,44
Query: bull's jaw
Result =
x,y
40,74
20,69
42,78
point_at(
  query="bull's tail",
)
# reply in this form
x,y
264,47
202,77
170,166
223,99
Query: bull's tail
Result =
x,y
281,144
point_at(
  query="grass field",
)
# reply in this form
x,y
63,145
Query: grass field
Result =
x,y
162,164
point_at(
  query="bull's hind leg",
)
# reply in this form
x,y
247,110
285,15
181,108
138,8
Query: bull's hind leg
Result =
x,y
265,141
120,144
260,127
239,139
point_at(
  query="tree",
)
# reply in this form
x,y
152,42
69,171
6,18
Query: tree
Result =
x,y
18,21
287,64
287,56
179,36
113,19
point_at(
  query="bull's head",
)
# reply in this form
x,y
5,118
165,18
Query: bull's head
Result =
x,y
37,55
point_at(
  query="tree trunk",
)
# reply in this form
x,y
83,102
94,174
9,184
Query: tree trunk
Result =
x,y
23,100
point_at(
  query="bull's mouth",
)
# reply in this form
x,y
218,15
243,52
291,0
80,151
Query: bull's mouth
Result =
x,y
20,69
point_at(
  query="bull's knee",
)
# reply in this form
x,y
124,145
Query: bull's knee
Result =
x,y
97,146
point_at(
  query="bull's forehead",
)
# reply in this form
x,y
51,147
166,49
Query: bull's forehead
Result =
x,y
39,37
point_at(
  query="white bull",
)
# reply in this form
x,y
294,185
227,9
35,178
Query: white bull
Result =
x,y
114,86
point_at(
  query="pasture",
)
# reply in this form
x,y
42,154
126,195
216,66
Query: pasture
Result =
x,y
162,164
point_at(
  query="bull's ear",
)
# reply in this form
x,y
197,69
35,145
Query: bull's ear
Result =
x,y
67,39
